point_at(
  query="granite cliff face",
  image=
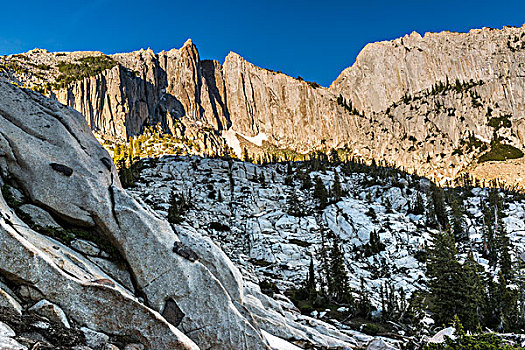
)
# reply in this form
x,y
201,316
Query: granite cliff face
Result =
x,y
291,113
385,71
442,90
145,89
411,102
181,92
50,156
184,94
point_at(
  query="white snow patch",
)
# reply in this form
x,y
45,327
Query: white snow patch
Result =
x,y
440,337
257,139
232,141
481,138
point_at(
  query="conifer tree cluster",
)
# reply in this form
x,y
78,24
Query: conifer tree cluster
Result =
x,y
477,297
328,284
374,245
320,193
347,104
179,204
417,207
295,208
466,341
127,161
458,286
338,284
394,304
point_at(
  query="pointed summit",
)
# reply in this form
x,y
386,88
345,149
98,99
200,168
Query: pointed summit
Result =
x,y
188,42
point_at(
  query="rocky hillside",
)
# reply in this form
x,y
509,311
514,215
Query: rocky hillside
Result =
x,y
441,105
85,264
269,222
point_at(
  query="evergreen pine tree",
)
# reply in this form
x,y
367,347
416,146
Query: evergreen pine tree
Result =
x,y
289,169
374,245
306,180
520,282
497,244
489,239
118,152
444,274
334,156
262,179
324,275
431,213
503,311
505,261
178,206
246,155
390,302
460,330
125,173
295,208
288,180
363,304
337,191
320,193
440,209
471,293
338,289
458,221
388,205
418,206
311,283
416,310
502,240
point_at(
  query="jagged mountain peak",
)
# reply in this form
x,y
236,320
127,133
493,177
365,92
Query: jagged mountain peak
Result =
x,y
173,51
188,42
233,56
439,89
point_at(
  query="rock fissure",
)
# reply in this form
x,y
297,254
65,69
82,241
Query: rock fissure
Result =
x,y
28,131
112,200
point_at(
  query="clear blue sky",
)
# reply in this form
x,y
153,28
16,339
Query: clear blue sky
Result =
x,y
313,39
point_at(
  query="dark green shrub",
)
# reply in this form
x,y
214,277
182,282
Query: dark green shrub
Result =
x,y
268,287
86,67
217,226
500,122
501,152
371,213
9,198
421,256
370,329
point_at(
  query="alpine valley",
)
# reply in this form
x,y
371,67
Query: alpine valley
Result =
x,y
160,201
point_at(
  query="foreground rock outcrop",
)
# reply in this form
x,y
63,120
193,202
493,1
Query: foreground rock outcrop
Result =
x,y
47,267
